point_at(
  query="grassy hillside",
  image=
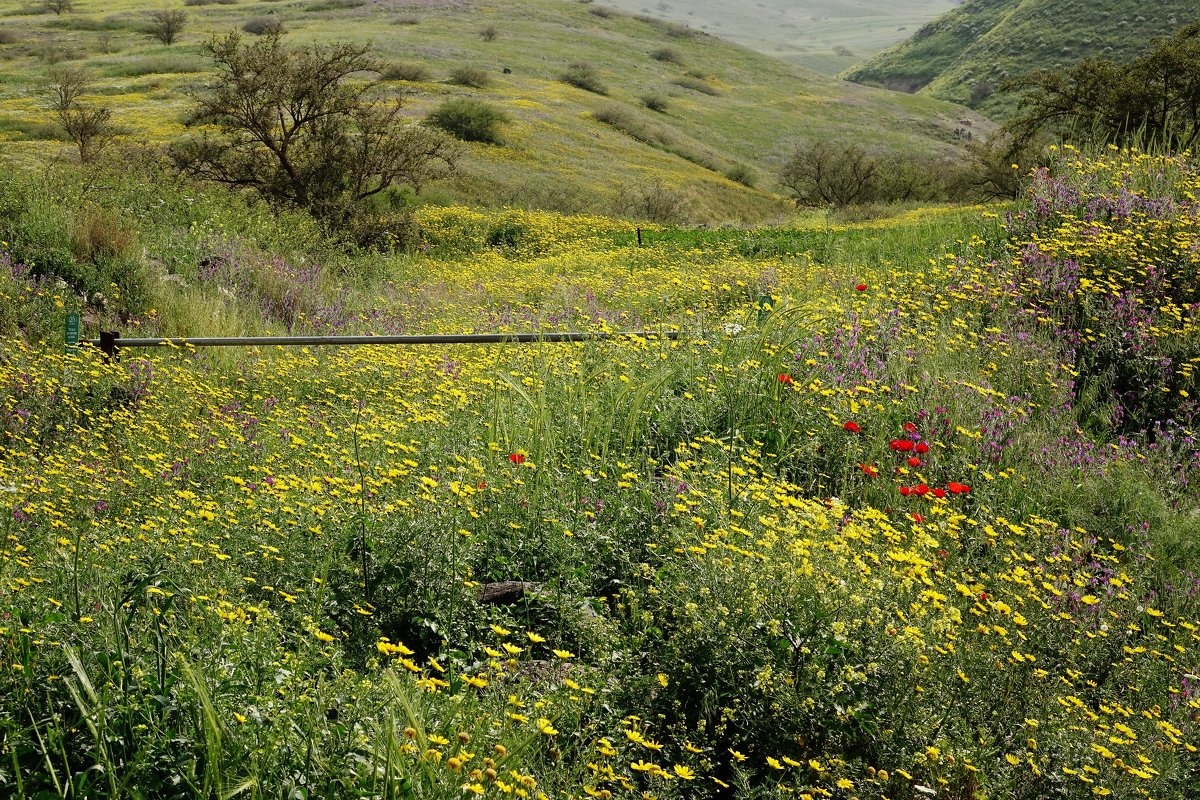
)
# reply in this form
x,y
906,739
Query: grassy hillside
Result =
x,y
823,35
725,106
965,55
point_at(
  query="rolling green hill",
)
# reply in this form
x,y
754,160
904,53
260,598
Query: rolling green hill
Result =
x,y
823,35
965,55
726,110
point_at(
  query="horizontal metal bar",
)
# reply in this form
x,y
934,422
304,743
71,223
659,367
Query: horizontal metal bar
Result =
x,y
549,337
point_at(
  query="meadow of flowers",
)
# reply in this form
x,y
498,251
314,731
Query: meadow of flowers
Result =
x,y
907,511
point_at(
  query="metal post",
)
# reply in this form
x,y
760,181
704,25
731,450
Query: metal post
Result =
x,y
639,233
108,343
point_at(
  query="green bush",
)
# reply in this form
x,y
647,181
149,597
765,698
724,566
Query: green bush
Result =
x,y
407,71
470,120
263,26
467,75
668,55
584,76
697,85
740,173
655,102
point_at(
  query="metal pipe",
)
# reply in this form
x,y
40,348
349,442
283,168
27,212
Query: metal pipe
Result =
x,y
549,337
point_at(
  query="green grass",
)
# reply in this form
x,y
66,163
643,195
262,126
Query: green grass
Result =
x,y
753,108
225,573
971,50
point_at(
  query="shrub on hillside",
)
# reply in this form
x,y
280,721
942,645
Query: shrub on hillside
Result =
x,y
469,119
655,102
583,75
263,26
407,71
740,173
167,24
668,55
697,85
467,75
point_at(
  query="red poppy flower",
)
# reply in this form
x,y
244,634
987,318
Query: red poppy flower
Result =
x,y
921,447
869,470
900,445
481,485
516,458
914,462
853,427
957,488
939,492
918,518
784,378
910,427
862,287
984,596
922,490
904,490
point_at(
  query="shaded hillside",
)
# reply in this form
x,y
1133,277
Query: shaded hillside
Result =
x,y
965,55
723,111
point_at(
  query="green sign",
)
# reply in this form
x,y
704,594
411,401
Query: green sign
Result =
x,y
72,331
764,307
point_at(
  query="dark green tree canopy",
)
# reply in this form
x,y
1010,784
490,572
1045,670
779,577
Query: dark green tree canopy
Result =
x,y
1156,97
306,127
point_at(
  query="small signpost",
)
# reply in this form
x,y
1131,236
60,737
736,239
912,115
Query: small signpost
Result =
x,y
72,331
765,304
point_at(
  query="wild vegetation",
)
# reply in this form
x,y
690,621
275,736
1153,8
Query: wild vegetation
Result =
x,y
970,52
891,500
556,155
907,508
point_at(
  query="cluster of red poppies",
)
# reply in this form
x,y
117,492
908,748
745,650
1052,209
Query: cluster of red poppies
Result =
x,y
917,448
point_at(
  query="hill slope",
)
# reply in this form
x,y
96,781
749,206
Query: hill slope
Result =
x,y
966,54
725,106
823,35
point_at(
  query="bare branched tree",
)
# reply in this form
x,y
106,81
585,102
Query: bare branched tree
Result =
x,y
818,173
89,127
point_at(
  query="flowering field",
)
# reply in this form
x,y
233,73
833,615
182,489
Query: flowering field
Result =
x,y
907,511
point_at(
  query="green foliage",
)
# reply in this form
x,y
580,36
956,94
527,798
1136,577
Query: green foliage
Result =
x,y
697,85
297,130
668,55
583,75
985,43
469,75
407,71
740,173
469,119
263,26
655,102
1155,98
166,24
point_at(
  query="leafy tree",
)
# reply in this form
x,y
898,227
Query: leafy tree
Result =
x,y
89,127
1157,97
167,24
59,6
304,127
